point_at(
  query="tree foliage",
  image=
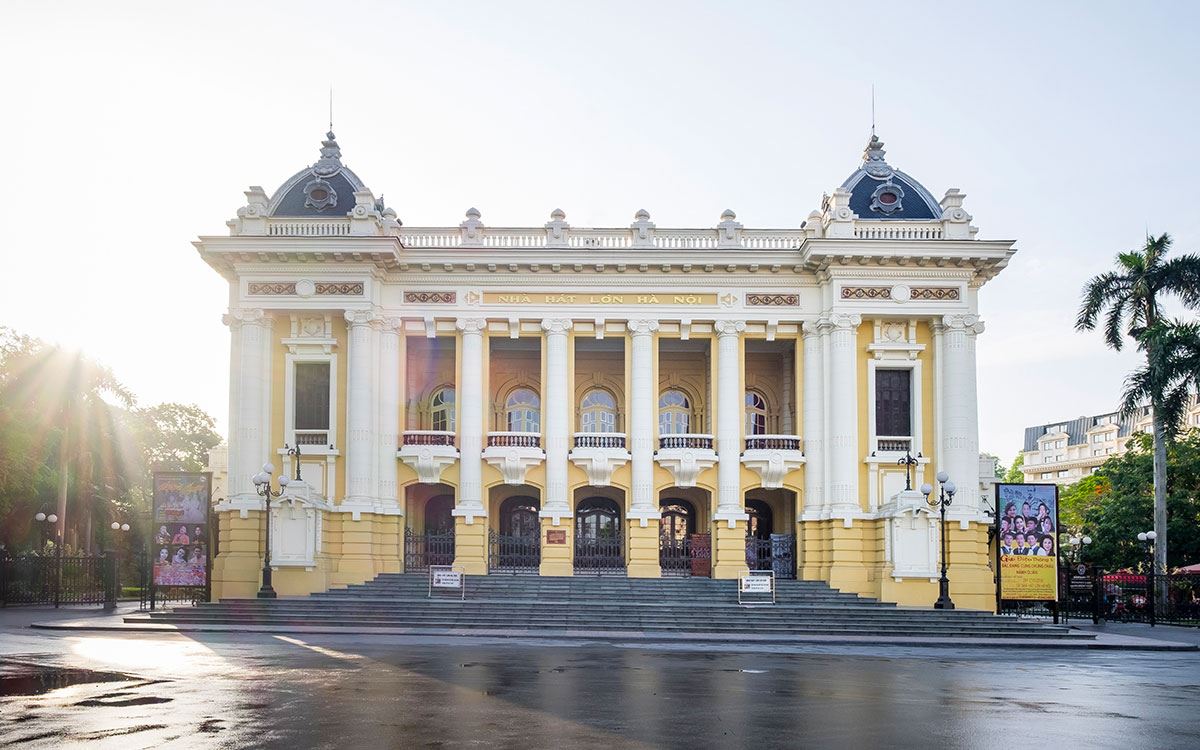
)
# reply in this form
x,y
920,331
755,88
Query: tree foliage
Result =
x,y
1117,502
1014,475
69,428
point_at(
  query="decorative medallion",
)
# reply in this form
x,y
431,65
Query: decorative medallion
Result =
x,y
305,288
271,287
866,292
434,298
936,293
772,300
339,287
319,194
901,293
888,198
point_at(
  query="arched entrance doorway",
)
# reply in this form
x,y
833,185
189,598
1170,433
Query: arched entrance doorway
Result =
x,y
766,549
433,544
516,548
599,543
676,532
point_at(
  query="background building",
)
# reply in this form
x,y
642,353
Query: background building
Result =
x,y
636,400
1065,452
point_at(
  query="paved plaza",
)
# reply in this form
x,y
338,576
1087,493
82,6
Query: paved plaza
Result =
x,y
139,690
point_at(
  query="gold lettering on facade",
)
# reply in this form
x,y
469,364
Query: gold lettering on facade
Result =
x,y
600,299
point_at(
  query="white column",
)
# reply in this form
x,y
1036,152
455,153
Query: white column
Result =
x,y
469,502
787,366
814,417
960,428
642,417
556,400
248,429
389,410
843,415
730,404
359,446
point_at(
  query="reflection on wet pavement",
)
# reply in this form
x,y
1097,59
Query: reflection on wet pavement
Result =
x,y
228,690
17,678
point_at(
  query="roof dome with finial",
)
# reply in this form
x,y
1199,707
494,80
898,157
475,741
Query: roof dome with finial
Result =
x,y
324,189
877,191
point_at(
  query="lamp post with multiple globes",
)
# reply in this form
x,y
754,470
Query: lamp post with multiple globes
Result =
x,y
945,496
1147,538
262,484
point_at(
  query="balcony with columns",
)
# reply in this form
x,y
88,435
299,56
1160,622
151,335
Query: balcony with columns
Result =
x,y
519,407
772,446
685,441
427,443
599,445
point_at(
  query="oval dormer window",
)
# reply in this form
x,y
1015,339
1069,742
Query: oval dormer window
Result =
x,y
888,198
319,194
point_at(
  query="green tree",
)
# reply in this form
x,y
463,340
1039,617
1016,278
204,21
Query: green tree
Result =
x,y
175,437
1014,475
1117,502
1129,299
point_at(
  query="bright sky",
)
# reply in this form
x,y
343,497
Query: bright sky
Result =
x,y
132,128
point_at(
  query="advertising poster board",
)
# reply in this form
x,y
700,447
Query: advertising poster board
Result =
x,y
1027,535
179,537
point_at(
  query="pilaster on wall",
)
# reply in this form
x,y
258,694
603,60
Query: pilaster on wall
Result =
x,y
972,580
729,551
237,571
643,548
558,559
843,419
470,547
469,499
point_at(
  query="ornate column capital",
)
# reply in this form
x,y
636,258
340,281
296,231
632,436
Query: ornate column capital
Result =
x,y
815,327
642,327
559,326
360,317
393,324
843,321
969,323
729,327
471,325
239,316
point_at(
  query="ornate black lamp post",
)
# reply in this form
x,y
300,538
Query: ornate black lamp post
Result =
x,y
908,462
262,484
45,524
945,496
1078,543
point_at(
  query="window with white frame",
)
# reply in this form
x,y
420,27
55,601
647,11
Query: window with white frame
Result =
x,y
674,413
523,410
441,410
1048,475
893,409
598,411
756,413
1063,474
310,405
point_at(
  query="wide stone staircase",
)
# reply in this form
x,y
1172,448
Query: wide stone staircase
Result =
x,y
597,605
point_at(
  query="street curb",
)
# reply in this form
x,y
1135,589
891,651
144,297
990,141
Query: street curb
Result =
x,y
641,637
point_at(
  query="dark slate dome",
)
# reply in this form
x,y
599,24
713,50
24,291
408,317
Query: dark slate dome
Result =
x,y
879,192
324,189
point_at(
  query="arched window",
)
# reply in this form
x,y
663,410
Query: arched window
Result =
x,y
598,411
519,517
674,413
760,524
597,518
678,520
523,410
441,410
438,516
756,414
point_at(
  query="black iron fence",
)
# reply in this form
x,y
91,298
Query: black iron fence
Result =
x,y
1090,594
690,556
599,555
423,549
776,553
516,554
59,580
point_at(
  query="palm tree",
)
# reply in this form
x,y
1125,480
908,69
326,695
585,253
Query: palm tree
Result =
x,y
1129,298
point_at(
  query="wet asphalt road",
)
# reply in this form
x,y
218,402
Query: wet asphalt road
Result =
x,y
108,690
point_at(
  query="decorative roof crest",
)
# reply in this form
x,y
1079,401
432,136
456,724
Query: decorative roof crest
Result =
x,y
873,162
331,156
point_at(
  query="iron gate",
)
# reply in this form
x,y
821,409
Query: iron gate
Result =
x,y
514,553
777,553
53,579
690,556
424,549
599,555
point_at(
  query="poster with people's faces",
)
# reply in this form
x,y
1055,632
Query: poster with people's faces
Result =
x,y
179,542
1028,537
